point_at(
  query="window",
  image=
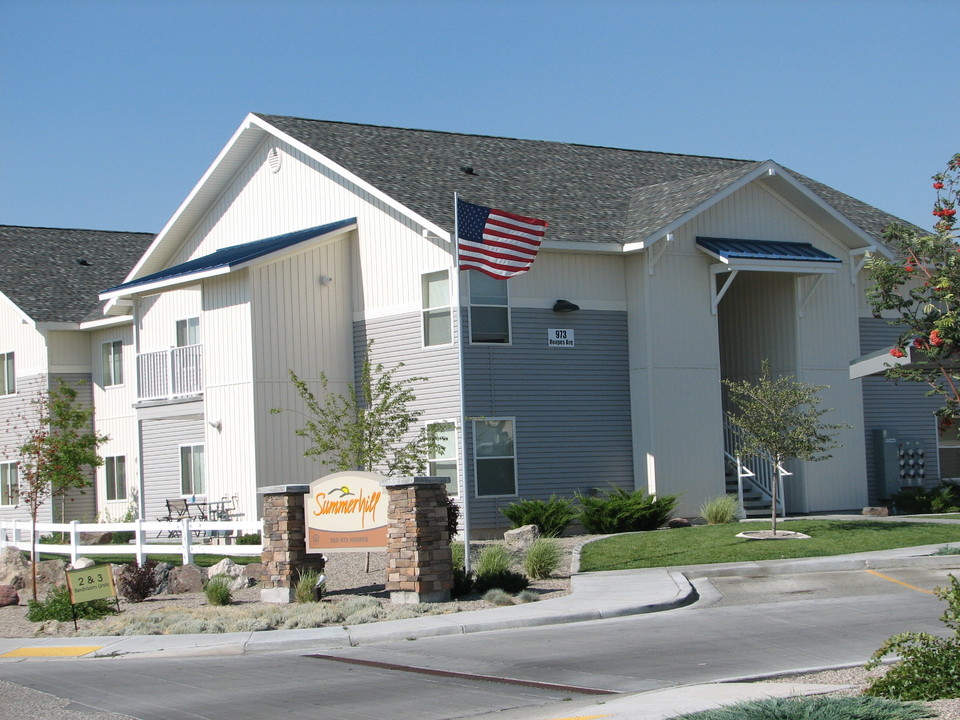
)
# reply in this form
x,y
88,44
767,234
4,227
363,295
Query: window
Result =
x,y
111,354
435,293
8,384
489,310
496,466
191,469
443,460
9,484
188,332
116,468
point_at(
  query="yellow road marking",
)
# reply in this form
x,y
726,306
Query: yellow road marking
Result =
x,y
72,651
900,582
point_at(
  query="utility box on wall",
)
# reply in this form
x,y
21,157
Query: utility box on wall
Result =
x,y
900,462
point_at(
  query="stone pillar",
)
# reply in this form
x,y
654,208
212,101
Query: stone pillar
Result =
x,y
284,553
419,562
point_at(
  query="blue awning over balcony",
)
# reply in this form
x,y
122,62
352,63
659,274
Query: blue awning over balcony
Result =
x,y
727,249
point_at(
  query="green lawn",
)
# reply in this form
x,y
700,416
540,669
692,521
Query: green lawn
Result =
x,y
718,543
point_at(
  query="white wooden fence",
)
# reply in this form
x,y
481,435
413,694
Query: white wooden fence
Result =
x,y
185,537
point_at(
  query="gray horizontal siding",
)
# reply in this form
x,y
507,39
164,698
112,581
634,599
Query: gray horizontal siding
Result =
x,y
571,405
902,407
160,441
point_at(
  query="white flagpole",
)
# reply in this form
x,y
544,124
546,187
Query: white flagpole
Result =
x,y
465,500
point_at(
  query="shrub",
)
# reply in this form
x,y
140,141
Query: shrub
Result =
x,y
496,596
218,590
493,558
136,583
456,554
805,708
507,580
542,559
249,539
56,606
928,664
526,596
944,498
551,516
453,517
462,583
720,510
310,586
619,511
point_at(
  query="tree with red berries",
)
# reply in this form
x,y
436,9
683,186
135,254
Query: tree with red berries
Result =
x,y
921,289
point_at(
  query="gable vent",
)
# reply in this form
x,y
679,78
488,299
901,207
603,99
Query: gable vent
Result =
x,y
274,158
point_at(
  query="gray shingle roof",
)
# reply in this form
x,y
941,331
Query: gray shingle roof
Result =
x,y
55,275
586,193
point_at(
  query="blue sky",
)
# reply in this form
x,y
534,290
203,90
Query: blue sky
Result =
x,y
112,110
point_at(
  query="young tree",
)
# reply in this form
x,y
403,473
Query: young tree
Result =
x,y
780,416
920,288
59,445
367,428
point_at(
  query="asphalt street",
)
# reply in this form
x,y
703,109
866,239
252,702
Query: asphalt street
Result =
x,y
741,627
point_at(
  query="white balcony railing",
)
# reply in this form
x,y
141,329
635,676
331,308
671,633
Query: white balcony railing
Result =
x,y
173,373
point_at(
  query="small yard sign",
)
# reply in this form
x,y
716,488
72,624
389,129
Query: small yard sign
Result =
x,y
346,511
92,583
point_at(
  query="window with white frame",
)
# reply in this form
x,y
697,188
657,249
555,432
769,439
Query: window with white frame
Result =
x,y
435,295
443,458
111,355
191,470
495,457
188,332
489,309
9,483
8,377
116,474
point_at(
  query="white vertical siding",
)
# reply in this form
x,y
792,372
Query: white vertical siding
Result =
x,y
23,339
158,314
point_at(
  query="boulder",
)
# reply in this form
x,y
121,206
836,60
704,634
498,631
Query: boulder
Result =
x,y
50,574
250,575
96,538
224,567
521,538
8,595
14,568
678,522
82,562
185,579
876,511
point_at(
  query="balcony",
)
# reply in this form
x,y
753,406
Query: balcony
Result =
x,y
169,374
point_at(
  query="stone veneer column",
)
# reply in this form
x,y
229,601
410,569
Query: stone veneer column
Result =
x,y
419,562
284,553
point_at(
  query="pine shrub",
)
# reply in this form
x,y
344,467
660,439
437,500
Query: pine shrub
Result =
x,y
551,516
506,580
618,511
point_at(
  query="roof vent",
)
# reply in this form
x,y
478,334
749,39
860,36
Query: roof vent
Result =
x,y
274,158
468,170
83,261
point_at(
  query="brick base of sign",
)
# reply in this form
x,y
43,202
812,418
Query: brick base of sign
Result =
x,y
419,562
284,554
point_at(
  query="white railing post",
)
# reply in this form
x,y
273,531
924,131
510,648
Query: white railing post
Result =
x,y
138,541
185,541
16,534
74,542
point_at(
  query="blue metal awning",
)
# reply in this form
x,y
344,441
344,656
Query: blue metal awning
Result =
x,y
230,257
728,249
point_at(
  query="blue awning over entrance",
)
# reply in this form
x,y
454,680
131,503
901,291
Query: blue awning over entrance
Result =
x,y
732,249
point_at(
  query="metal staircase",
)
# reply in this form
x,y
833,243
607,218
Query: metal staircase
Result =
x,y
750,477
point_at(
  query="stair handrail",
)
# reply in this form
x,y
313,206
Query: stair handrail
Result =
x,y
759,469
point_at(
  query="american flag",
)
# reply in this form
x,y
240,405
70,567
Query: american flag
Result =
x,y
496,242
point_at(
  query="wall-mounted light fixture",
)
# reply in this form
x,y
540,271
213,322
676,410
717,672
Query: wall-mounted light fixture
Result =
x,y
564,306
216,425
325,280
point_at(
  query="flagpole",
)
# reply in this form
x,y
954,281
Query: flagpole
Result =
x,y
463,408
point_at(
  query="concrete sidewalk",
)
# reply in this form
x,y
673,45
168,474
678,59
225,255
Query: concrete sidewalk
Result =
x,y
594,596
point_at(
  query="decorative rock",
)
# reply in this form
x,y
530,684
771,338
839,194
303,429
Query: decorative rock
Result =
x,y
82,562
185,579
8,595
678,522
50,574
249,576
96,538
225,567
14,568
876,511
521,538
